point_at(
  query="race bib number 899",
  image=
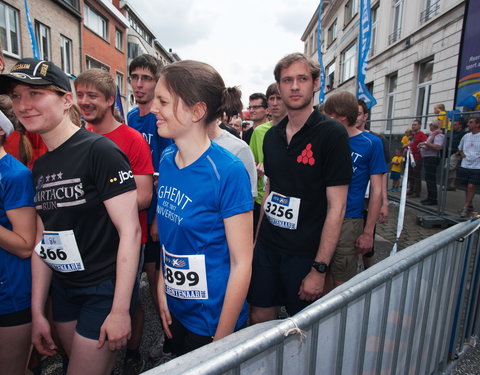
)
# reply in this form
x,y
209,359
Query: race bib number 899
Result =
x,y
185,276
282,211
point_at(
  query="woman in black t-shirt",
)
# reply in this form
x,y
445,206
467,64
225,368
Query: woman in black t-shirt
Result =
x,y
89,231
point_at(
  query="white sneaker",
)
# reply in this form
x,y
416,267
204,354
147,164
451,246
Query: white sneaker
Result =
x,y
466,211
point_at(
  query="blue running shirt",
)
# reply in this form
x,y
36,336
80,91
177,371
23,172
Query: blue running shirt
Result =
x,y
192,204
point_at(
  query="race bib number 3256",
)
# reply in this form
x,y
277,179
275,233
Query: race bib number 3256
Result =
x,y
282,211
185,276
60,251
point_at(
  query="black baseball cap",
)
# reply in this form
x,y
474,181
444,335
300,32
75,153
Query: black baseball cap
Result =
x,y
35,73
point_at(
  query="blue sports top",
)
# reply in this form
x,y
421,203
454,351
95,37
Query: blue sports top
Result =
x,y
147,126
367,159
16,191
192,204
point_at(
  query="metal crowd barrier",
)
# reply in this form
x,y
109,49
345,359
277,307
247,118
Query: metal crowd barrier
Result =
x,y
412,313
449,202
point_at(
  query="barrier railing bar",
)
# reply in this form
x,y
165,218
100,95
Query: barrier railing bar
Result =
x,y
442,348
341,340
455,281
443,315
457,339
436,312
416,297
400,319
426,311
363,334
383,325
472,299
313,350
279,358
476,328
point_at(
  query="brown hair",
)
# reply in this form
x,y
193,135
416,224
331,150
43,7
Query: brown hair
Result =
x,y
25,150
342,103
363,105
195,82
272,90
75,115
475,118
99,79
294,57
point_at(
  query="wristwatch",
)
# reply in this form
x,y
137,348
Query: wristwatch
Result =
x,y
320,266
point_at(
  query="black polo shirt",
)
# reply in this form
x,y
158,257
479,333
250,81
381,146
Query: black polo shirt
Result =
x,y
318,156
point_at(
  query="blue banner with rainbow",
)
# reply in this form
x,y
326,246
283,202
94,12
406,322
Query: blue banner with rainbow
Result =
x,y
468,76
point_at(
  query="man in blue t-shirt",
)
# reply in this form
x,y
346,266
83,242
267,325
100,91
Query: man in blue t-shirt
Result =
x,y
143,76
368,164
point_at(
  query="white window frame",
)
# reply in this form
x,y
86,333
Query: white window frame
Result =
x,y
348,62
391,96
332,33
350,10
91,63
118,39
119,80
430,10
42,33
330,75
373,40
95,22
66,54
422,104
8,43
397,12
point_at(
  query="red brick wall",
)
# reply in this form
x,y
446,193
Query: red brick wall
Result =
x,y
104,50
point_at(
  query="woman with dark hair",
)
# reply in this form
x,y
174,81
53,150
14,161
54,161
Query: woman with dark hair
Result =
x,y
17,239
204,211
88,234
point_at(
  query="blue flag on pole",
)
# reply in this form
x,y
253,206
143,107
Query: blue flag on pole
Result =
x,y
321,94
33,40
364,40
118,103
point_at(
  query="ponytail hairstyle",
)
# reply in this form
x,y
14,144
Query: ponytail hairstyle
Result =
x,y
197,82
25,150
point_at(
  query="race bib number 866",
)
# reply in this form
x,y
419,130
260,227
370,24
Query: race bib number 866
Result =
x,y
60,251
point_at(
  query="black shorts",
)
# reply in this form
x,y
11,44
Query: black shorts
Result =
x,y
152,252
89,306
184,341
16,318
276,279
467,176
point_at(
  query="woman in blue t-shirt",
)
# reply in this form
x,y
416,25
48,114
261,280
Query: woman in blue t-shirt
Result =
x,y
17,239
203,211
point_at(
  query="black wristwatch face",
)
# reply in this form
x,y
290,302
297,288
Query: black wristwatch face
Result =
x,y
320,266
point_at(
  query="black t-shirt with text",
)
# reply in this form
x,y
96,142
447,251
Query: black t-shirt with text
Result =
x,y
71,184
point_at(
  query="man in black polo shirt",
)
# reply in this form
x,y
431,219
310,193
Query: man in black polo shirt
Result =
x,y
308,165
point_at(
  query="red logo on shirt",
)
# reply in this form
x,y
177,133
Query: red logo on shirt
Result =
x,y
306,157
